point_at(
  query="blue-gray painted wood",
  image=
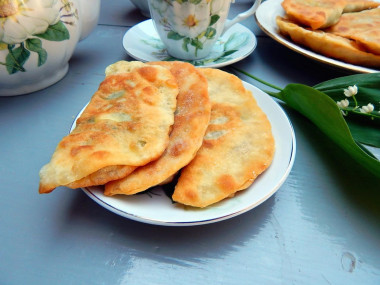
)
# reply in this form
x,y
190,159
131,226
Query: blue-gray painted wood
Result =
x,y
321,227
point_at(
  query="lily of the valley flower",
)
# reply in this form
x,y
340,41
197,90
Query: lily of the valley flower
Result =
x,y
351,91
367,109
19,19
343,103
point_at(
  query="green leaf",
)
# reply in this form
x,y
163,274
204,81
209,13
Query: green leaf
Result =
x,y
326,115
198,62
185,44
366,150
323,111
365,131
221,59
369,80
57,32
196,43
174,36
229,52
35,45
210,33
368,87
195,1
16,58
363,128
214,19
153,42
236,40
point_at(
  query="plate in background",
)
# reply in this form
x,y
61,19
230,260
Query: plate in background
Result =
x,y
266,18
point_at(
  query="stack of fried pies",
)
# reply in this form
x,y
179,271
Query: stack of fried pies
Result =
x,y
151,122
347,30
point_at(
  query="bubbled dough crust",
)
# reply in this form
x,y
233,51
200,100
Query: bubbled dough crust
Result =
x,y
363,27
190,123
112,172
315,14
359,5
328,44
116,128
237,147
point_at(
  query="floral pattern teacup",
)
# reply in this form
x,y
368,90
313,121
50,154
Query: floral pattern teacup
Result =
x,y
190,28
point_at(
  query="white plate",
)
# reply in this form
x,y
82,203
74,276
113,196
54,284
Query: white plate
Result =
x,y
266,19
143,43
155,207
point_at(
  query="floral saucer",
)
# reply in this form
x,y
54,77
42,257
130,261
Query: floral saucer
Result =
x,y
143,43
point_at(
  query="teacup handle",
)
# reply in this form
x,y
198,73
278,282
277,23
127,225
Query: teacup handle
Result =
x,y
242,16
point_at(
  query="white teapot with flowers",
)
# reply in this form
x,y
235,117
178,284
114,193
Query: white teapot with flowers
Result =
x,y
37,39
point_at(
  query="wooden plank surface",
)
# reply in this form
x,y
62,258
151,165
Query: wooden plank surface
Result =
x,y
321,227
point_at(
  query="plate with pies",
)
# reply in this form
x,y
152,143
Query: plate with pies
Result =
x,y
154,206
142,43
266,17
167,143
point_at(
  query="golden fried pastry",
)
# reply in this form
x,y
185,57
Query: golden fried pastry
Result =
x,y
237,147
112,172
359,5
190,123
315,14
103,175
363,27
126,123
123,66
328,44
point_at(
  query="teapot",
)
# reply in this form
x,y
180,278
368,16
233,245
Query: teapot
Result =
x,y
37,39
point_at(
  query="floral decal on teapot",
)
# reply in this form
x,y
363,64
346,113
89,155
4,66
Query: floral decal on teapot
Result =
x,y
23,23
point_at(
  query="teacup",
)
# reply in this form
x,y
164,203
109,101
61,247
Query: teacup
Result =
x,y
190,28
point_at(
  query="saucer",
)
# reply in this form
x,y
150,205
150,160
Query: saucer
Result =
x,y
143,43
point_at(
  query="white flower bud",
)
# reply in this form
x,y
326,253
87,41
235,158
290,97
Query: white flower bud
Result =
x,y
367,109
351,91
343,103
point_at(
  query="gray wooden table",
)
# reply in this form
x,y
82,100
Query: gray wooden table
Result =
x,y
321,227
